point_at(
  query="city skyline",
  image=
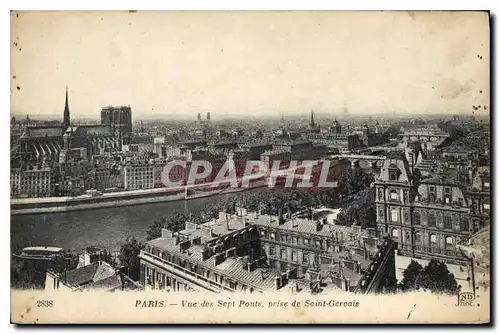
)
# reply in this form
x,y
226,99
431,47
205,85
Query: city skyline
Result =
x,y
270,62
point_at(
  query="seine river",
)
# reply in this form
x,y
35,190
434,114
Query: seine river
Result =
x,y
107,228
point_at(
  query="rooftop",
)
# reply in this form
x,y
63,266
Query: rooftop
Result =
x,y
232,266
89,274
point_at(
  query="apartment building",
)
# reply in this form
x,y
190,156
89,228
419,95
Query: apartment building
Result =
x,y
36,182
249,252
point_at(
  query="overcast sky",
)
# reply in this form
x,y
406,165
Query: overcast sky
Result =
x,y
249,63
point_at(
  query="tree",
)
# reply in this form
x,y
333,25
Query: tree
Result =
x,y
437,278
154,230
129,257
410,275
360,210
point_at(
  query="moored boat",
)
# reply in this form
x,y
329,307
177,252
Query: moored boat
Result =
x,y
43,253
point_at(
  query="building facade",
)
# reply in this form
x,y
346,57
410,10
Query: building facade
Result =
x,y
36,182
428,216
249,252
143,175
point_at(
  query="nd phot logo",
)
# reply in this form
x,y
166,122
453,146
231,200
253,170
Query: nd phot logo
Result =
x,y
466,299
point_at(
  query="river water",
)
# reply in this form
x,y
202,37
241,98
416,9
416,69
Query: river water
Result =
x,y
107,228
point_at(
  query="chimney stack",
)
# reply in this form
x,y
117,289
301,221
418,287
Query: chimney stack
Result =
x,y
281,219
319,226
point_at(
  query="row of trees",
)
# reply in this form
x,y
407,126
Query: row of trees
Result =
x,y
435,277
360,211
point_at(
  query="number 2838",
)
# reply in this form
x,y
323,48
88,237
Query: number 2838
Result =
x,y
44,303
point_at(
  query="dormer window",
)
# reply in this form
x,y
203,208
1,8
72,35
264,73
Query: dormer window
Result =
x,y
432,194
394,172
447,195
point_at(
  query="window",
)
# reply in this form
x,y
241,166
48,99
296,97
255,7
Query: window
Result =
x,y
395,233
416,218
432,194
262,233
283,254
433,239
449,241
380,194
461,201
305,258
273,235
294,256
272,251
394,215
318,243
447,191
464,225
431,220
306,241
447,222
283,237
418,237
394,195
406,196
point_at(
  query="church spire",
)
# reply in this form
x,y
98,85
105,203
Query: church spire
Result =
x,y
312,119
66,120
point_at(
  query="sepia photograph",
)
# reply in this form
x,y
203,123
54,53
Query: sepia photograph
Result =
x,y
256,167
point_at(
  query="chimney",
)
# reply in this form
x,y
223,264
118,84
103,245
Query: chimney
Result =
x,y
190,226
165,233
281,219
206,253
122,279
277,282
319,226
219,258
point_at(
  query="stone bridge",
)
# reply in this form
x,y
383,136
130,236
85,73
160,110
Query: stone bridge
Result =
x,y
363,161
423,136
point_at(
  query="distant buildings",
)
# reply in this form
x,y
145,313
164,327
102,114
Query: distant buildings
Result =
x,y
65,149
35,182
142,175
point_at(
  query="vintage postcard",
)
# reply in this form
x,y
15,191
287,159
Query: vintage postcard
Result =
x,y
290,167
